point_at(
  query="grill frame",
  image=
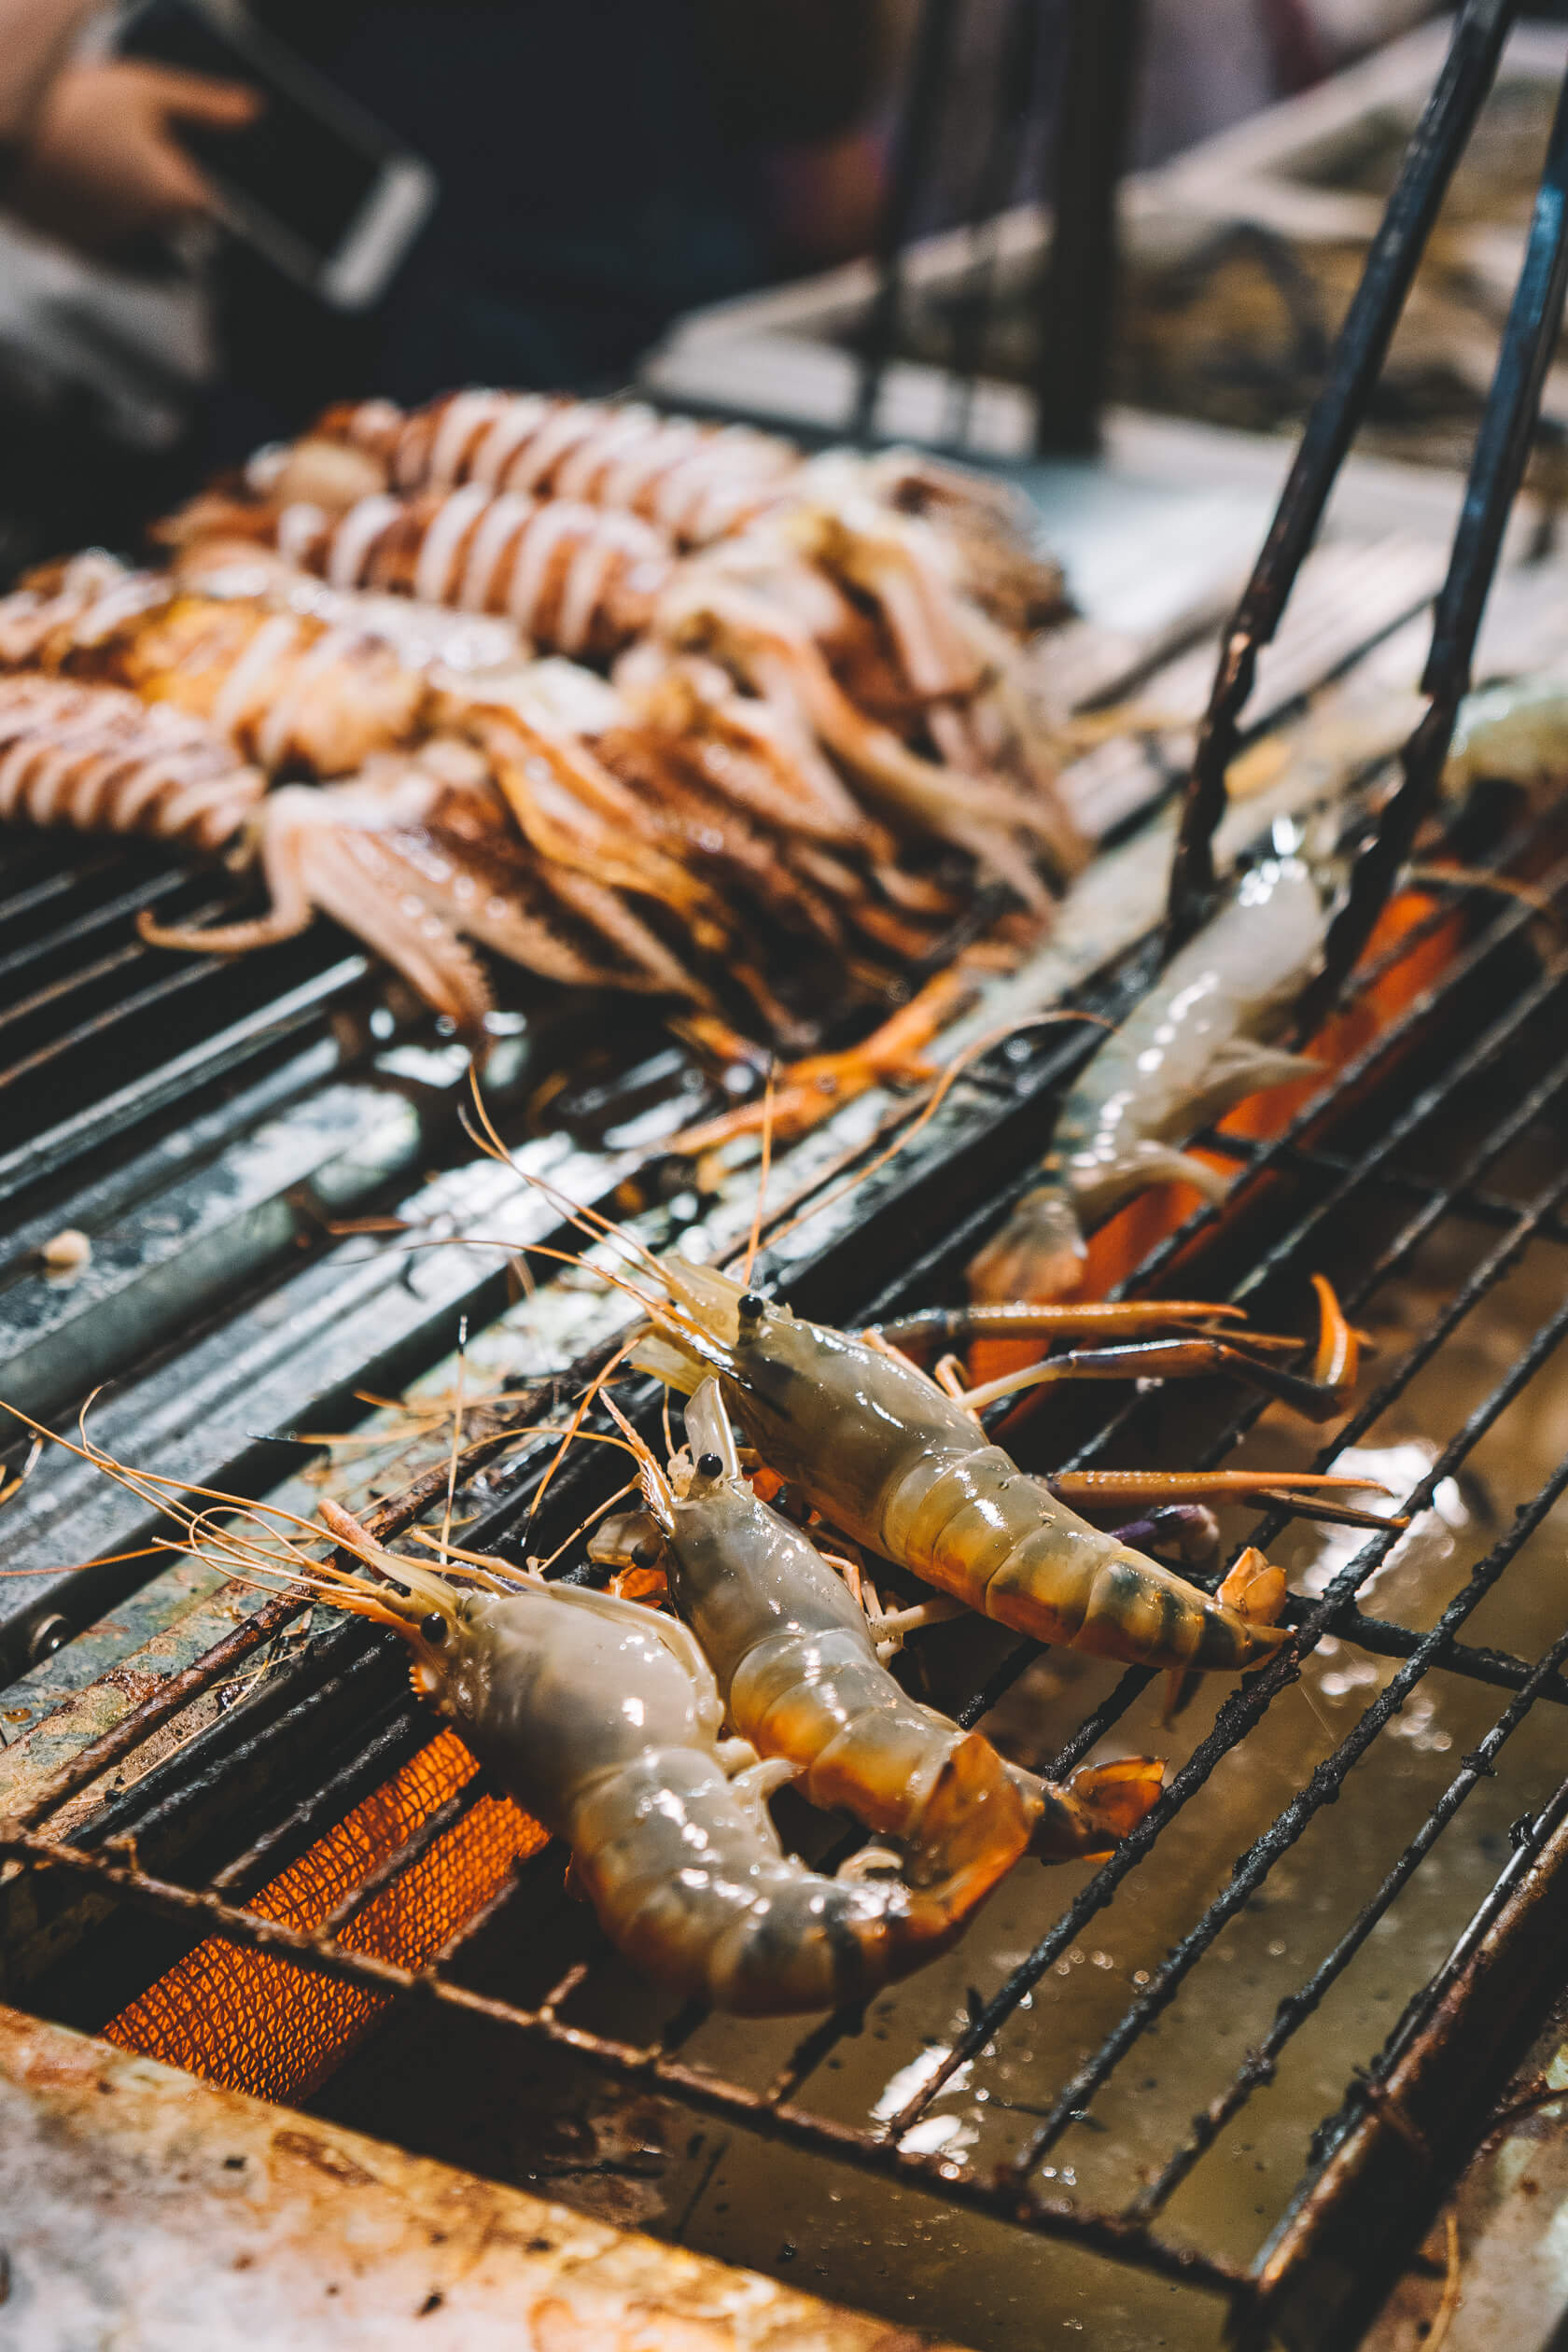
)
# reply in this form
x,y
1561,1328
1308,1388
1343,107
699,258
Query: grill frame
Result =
x,y
1270,2291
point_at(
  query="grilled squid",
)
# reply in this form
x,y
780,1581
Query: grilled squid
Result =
x,y
97,760
603,1720
574,579
290,690
800,1677
416,857
696,482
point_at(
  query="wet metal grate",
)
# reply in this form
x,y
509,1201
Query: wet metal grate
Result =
x,y
1429,1169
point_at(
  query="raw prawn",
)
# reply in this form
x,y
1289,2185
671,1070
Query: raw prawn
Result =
x,y
1198,1044
903,1468
900,1466
800,1677
603,1720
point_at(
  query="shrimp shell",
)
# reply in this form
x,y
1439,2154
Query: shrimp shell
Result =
x,y
800,1677
1198,1044
885,1456
603,1721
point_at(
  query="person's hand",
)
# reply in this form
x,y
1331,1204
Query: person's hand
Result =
x,y
103,165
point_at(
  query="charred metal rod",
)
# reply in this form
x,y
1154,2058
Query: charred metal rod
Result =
x,y
919,125
1359,352
1257,2069
1079,311
1496,468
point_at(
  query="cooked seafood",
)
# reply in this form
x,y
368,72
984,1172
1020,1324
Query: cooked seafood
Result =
x,y
1198,1044
903,1468
574,579
899,1463
96,759
603,1719
291,690
1001,827
696,482
799,1674
417,855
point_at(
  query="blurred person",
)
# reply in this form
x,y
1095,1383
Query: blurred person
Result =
x,y
603,166
90,150
93,396
100,165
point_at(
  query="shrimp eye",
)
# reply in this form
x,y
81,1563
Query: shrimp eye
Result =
x,y
750,1304
433,1627
710,1466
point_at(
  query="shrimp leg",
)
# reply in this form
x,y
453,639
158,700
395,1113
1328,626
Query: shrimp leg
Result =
x,y
796,1665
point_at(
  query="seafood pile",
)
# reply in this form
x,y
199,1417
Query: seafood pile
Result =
x,y
743,1647
627,701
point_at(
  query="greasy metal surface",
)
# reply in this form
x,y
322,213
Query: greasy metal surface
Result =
x,y
1421,2107
1491,2267
1412,1156
141,2208
897,2150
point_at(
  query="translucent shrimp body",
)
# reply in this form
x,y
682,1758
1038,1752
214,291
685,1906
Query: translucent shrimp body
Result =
x,y
1198,1044
1516,732
603,1721
901,1467
798,1671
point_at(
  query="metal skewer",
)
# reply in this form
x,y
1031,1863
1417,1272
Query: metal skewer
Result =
x,y
1496,469
1360,349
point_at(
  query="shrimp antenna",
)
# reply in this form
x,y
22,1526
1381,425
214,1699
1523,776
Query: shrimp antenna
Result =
x,y
574,1427
143,1484
954,1072
335,1586
756,1234
576,1212
656,1490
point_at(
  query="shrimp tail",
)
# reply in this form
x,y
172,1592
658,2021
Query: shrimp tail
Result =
x,y
1037,1255
973,1827
1255,1588
1099,1805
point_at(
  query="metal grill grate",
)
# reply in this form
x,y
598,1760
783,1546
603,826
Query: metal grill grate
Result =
x,y
1416,1145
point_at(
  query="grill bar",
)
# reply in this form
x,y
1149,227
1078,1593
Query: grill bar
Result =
x,y
1297,2007
1359,351
1253,1867
205,1913
45,1154
1240,1713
